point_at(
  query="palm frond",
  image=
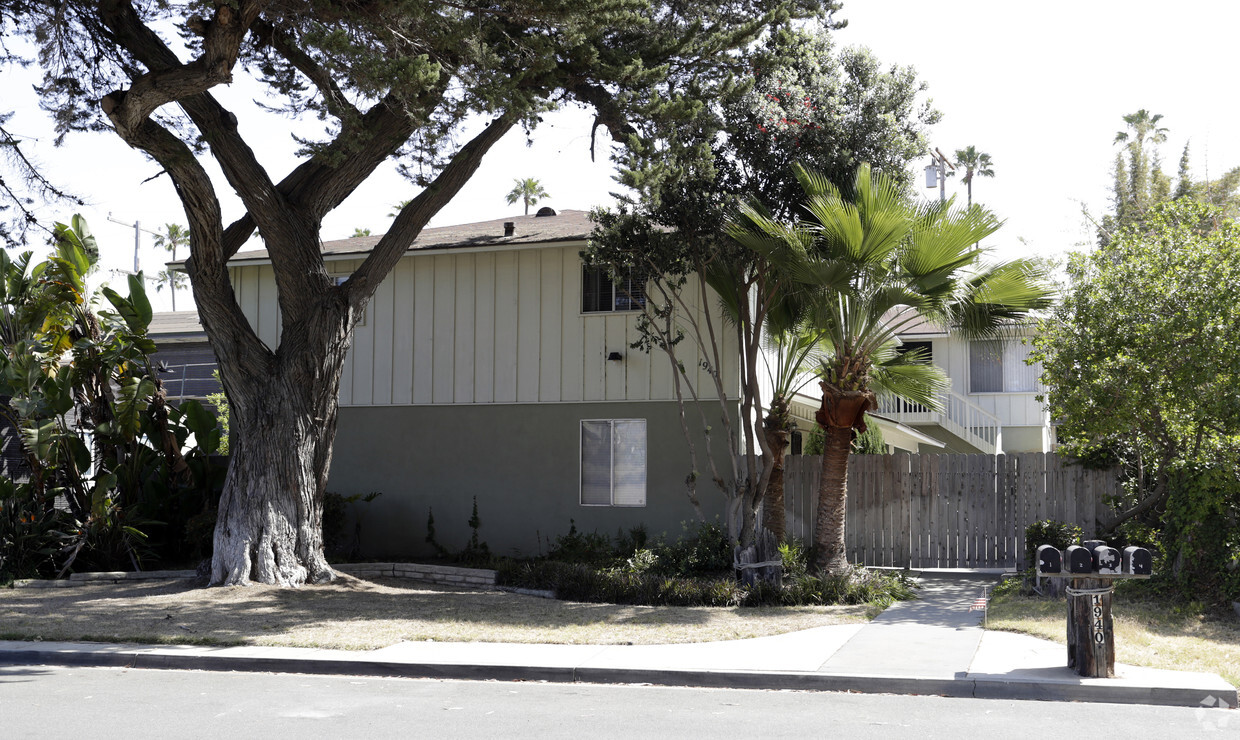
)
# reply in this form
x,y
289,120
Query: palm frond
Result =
x,y
909,376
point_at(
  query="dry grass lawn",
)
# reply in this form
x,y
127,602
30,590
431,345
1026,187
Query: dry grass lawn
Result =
x,y
1147,632
356,614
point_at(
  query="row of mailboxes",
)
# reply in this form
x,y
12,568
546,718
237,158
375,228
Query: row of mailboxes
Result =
x,y
1094,557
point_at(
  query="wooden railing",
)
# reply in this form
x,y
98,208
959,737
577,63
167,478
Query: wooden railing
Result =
x,y
959,416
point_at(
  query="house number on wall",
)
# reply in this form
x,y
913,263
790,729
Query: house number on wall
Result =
x,y
1099,634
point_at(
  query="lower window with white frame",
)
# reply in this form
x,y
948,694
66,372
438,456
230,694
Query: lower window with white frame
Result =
x,y
613,462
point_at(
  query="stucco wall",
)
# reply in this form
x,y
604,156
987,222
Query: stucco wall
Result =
x,y
521,461
1023,439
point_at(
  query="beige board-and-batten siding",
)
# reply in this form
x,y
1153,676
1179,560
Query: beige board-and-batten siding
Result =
x,y
488,325
949,511
1012,408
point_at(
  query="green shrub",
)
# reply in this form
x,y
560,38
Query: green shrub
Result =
x,y
632,541
703,548
1199,545
580,582
644,560
1049,532
576,547
336,508
30,536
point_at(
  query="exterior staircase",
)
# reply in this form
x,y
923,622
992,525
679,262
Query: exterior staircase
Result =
x,y
960,420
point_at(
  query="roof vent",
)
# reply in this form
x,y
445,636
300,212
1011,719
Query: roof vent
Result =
x,y
509,228
545,211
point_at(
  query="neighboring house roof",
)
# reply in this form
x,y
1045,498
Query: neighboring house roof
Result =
x,y
920,327
563,226
176,327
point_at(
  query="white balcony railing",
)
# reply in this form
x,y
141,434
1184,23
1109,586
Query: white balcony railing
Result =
x,y
959,416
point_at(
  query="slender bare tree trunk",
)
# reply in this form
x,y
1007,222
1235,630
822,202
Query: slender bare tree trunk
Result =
x,y
773,516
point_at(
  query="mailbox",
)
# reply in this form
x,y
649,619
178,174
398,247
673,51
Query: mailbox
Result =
x,y
1079,560
1050,560
1090,546
1138,561
1106,560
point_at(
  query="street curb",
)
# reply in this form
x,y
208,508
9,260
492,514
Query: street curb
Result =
x,y
962,687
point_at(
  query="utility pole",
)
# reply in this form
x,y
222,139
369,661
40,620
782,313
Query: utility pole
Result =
x,y
137,238
936,173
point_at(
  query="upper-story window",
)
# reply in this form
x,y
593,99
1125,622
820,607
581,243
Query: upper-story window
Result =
x,y
599,293
998,366
924,350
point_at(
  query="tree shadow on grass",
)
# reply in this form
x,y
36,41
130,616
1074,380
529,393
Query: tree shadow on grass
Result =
x,y
357,614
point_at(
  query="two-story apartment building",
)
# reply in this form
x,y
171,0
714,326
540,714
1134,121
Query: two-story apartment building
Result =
x,y
491,363
991,406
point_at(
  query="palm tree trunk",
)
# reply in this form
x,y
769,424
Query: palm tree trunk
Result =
x,y
172,282
773,501
830,552
841,412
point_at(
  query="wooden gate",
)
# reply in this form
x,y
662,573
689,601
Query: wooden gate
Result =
x,y
948,511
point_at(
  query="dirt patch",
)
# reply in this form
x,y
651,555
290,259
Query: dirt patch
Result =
x,y
356,614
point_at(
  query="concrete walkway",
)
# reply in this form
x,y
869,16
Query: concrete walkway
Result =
x,y
935,636
931,646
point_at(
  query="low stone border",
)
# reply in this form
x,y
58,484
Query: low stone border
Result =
x,y
440,574
445,575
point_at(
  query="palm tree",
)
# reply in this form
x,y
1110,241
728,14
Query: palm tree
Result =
x,y
795,346
1142,127
527,190
878,263
974,163
174,237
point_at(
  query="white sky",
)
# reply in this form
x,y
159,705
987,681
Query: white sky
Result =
x,y
1042,88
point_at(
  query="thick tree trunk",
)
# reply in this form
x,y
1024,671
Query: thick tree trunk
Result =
x,y
830,552
773,500
270,524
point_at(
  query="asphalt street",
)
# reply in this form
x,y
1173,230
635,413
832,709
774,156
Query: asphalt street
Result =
x,y
114,702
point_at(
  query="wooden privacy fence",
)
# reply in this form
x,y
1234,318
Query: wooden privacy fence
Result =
x,y
948,511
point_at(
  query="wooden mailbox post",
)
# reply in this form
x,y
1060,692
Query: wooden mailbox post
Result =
x,y
1092,571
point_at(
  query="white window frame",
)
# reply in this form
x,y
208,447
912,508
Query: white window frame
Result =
x,y
581,450
1008,349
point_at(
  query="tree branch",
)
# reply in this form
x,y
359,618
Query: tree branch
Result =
x,y
231,334
333,97
168,79
414,216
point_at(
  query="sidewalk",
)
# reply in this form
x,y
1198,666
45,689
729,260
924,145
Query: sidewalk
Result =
x,y
930,646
